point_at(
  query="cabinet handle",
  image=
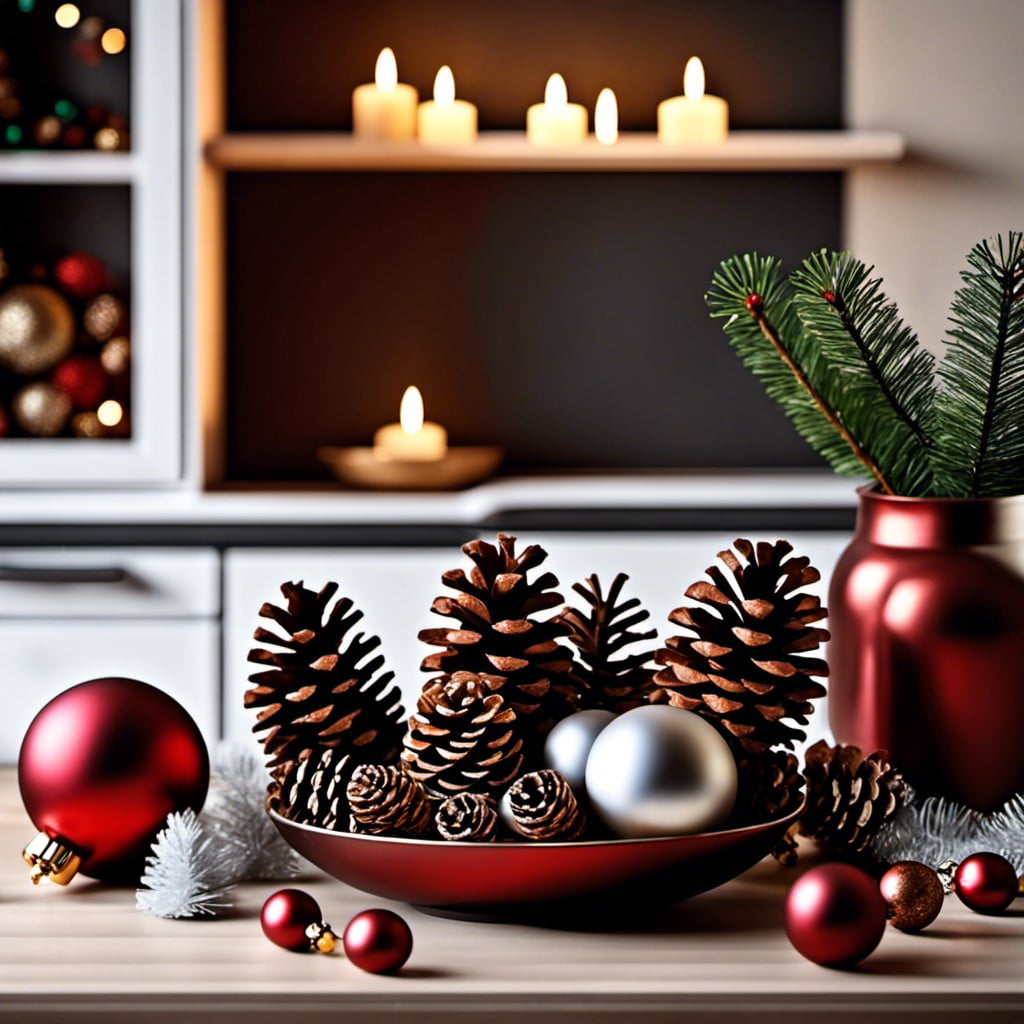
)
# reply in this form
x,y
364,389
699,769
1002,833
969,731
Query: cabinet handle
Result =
x,y
46,574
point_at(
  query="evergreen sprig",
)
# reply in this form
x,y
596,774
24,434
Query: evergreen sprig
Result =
x,y
979,414
830,347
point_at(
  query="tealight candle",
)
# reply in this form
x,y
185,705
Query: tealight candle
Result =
x,y
693,117
385,108
606,118
444,119
556,121
411,439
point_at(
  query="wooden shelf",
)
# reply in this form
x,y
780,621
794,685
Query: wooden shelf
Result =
x,y
509,151
85,168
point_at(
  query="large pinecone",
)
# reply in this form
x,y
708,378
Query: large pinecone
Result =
x,y
312,791
321,688
463,737
498,635
385,801
745,669
617,684
849,796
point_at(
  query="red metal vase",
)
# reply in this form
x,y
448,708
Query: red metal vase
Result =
x,y
926,609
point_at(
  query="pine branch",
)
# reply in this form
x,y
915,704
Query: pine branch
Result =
x,y
186,874
979,413
762,326
871,365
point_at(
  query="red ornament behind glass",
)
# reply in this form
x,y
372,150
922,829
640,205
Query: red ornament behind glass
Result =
x,y
100,768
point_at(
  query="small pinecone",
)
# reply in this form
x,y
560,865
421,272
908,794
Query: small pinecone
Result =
x,y
849,796
599,634
467,818
313,790
497,633
320,690
463,737
770,786
746,669
543,807
385,801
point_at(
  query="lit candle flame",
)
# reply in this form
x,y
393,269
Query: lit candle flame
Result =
x,y
385,74
556,96
606,117
444,87
410,412
693,79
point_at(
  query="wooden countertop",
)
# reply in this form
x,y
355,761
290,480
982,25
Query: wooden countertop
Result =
x,y
85,954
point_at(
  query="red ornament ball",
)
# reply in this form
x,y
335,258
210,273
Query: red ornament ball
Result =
x,y
5,423
378,941
986,882
83,379
80,274
835,915
285,917
101,767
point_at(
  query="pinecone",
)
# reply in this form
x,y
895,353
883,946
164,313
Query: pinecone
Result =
x,y
498,636
849,796
463,737
617,685
385,801
467,818
313,790
320,689
770,786
746,671
542,807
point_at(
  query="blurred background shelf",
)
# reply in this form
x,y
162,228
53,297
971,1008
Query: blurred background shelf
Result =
x,y
509,151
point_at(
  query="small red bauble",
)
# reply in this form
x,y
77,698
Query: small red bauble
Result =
x,y
287,915
80,274
83,379
835,915
986,882
378,941
913,895
100,768
754,304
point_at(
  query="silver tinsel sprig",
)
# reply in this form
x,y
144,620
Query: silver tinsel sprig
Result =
x,y
196,861
934,830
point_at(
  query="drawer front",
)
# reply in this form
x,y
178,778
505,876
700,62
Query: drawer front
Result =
x,y
115,583
40,659
395,589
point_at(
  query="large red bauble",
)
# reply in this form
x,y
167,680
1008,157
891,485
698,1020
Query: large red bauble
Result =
x,y
986,882
835,915
378,941
101,767
83,379
285,917
80,274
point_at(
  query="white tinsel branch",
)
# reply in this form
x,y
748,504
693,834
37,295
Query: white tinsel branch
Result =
x,y
184,874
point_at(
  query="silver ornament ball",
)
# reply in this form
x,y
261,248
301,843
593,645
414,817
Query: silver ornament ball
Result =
x,y
660,771
568,745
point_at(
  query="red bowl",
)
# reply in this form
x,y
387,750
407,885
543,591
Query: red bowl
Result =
x,y
494,878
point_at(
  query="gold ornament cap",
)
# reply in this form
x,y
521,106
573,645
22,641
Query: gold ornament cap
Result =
x,y
50,858
321,938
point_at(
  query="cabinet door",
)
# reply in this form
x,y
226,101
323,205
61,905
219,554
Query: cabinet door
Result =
x,y
40,658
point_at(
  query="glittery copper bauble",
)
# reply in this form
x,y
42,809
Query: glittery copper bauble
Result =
x,y
116,355
41,409
82,379
913,895
835,915
285,917
103,316
80,274
37,328
986,882
109,139
378,941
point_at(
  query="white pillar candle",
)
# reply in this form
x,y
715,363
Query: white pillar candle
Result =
x,y
556,121
693,117
385,108
444,119
412,439
606,118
